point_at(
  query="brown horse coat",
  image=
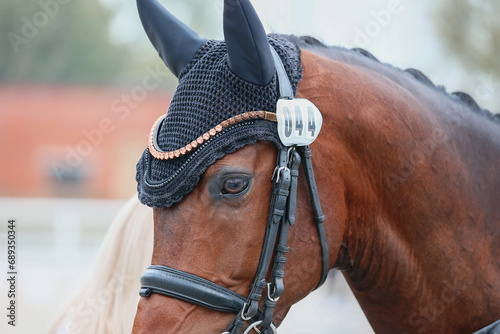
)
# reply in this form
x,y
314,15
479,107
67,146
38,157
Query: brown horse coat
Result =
x,y
409,183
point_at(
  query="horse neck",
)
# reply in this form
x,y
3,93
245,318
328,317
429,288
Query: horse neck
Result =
x,y
419,241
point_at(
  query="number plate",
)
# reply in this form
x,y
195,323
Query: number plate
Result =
x,y
299,122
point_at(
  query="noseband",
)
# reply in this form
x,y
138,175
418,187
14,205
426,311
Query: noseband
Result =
x,y
191,288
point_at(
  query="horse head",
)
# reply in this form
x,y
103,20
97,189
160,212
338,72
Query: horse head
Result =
x,y
239,236
208,173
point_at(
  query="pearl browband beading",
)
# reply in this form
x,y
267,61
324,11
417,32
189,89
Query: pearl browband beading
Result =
x,y
157,153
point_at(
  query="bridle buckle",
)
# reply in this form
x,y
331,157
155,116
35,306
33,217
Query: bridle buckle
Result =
x,y
257,323
276,173
274,300
244,311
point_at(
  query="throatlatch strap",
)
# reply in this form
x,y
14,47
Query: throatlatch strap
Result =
x,y
191,288
319,218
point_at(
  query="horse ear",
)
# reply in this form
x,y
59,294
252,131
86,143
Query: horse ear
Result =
x,y
249,53
175,42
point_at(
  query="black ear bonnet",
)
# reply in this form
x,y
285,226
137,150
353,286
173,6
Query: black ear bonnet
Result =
x,y
219,104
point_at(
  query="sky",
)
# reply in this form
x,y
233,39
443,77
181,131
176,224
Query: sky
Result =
x,y
399,32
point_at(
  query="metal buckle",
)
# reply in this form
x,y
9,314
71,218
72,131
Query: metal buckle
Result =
x,y
244,311
289,154
274,300
277,171
257,323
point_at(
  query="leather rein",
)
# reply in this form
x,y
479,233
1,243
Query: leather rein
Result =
x,y
194,289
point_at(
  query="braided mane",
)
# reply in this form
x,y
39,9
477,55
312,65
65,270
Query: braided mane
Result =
x,y
308,42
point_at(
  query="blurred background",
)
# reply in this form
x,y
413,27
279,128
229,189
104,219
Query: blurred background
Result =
x,y
80,86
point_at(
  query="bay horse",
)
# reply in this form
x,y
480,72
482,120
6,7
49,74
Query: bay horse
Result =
x,y
407,175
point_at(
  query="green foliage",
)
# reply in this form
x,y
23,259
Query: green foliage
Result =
x,y
57,41
470,32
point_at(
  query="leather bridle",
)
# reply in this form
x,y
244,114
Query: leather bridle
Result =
x,y
191,288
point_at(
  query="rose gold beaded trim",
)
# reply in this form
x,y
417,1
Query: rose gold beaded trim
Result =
x,y
269,116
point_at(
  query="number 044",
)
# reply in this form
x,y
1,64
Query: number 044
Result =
x,y
299,122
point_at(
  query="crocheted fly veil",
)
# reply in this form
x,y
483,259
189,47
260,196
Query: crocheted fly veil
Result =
x,y
220,104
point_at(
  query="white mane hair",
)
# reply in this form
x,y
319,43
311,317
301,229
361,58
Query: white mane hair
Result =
x,y
107,302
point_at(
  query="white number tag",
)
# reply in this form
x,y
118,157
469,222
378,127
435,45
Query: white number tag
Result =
x,y
299,122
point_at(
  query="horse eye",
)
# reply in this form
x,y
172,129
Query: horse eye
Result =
x,y
234,186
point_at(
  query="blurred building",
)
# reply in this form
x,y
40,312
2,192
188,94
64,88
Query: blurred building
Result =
x,y
68,141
